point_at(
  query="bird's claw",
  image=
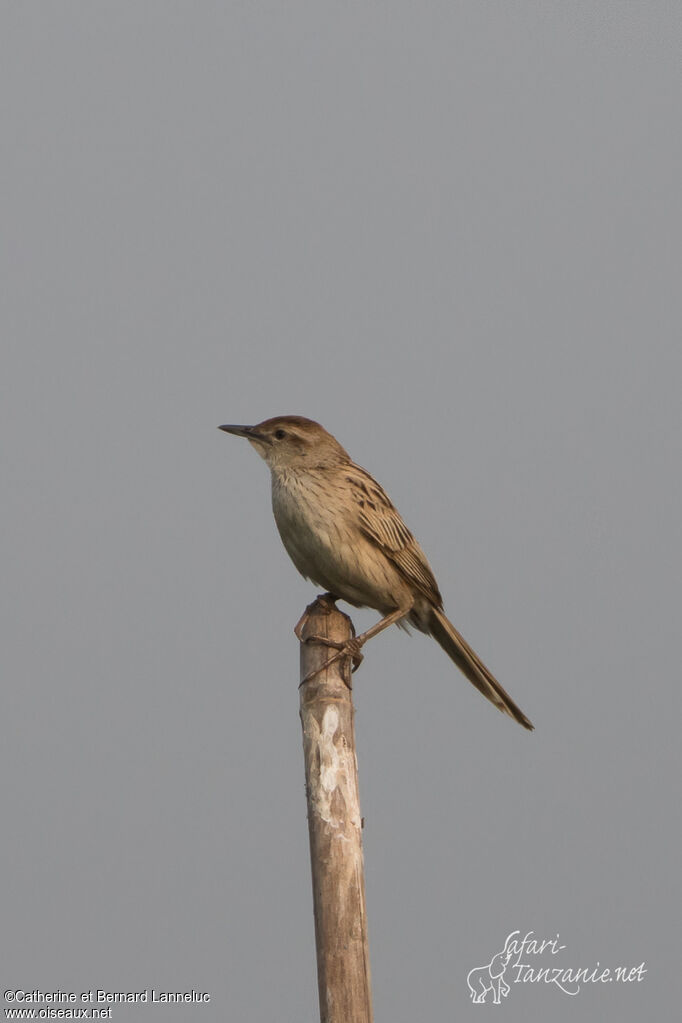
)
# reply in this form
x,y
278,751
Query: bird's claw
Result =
x,y
348,648
354,650
298,627
328,600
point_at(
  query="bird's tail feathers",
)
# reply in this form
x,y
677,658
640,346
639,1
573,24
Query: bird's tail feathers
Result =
x,y
456,647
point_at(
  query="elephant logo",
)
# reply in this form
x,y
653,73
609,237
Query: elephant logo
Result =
x,y
483,979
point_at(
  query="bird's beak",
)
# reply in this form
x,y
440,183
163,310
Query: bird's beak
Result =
x,y
250,432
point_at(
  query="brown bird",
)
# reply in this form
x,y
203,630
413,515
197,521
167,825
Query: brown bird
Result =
x,y
341,531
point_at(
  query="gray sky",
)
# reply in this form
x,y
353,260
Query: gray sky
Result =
x,y
451,233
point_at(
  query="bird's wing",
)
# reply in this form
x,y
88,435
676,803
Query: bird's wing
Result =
x,y
381,523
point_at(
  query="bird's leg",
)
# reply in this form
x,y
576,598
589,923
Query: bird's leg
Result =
x,y
353,647
394,616
330,600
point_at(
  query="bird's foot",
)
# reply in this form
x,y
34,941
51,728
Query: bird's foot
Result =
x,y
298,627
349,648
324,598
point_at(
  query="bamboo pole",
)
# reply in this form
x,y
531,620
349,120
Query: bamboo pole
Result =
x,y
334,821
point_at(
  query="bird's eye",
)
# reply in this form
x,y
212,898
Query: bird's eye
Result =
x,y
280,434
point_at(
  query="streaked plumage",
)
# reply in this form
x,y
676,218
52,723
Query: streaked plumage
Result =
x,y
342,531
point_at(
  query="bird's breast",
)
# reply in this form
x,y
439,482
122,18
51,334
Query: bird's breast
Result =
x,y
308,519
319,527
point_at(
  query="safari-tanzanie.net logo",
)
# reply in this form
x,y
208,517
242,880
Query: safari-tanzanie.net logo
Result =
x,y
530,960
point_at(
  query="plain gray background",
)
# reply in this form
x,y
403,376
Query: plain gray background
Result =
x,y
450,232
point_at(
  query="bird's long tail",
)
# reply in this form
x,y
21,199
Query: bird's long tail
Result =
x,y
469,662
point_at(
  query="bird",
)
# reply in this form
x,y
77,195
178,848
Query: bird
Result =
x,y
342,531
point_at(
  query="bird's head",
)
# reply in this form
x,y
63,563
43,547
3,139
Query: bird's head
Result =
x,y
291,442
